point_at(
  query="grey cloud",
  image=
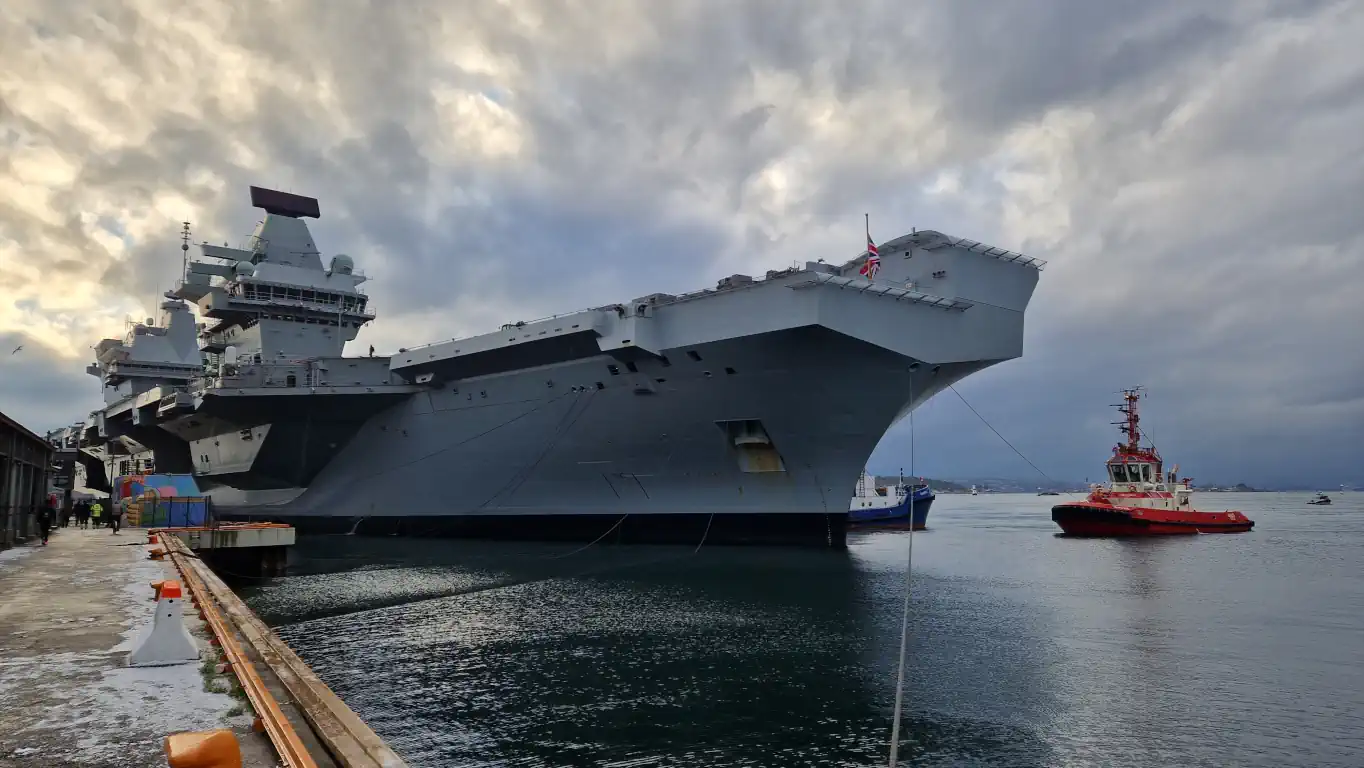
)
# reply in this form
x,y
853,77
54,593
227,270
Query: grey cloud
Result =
x,y
37,389
11,280
1010,62
1346,390
68,266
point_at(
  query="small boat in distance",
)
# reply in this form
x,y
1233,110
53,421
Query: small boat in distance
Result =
x,y
1321,499
896,506
1047,493
1141,497
974,492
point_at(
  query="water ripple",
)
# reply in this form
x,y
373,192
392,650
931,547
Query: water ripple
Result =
x,y
1028,649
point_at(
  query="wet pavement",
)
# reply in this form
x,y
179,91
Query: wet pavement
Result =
x,y
69,613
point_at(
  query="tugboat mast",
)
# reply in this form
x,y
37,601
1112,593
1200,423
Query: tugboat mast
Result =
x,y
1129,427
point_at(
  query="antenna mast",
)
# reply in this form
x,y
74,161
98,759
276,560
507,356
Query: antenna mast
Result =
x,y
1130,425
184,252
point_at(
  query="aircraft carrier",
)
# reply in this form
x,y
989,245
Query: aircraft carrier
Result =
x,y
739,413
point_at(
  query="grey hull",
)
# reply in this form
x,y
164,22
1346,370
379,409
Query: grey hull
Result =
x,y
549,442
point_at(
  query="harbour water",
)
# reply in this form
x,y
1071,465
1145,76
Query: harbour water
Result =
x,y
1027,649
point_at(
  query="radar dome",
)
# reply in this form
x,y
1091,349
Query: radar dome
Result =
x,y
342,264
244,269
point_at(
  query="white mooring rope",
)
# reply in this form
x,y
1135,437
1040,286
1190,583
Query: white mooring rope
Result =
x,y
904,618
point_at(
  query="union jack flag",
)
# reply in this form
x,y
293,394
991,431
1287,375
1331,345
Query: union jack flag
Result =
x,y
872,265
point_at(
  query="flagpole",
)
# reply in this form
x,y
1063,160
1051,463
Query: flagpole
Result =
x,y
867,216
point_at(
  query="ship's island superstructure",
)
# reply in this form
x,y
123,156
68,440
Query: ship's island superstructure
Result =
x,y
744,412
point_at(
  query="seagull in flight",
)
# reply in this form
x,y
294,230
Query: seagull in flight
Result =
x,y
16,349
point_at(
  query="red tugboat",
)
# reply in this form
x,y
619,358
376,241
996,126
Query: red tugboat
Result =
x,y
1140,497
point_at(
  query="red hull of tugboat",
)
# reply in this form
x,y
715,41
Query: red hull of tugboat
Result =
x,y
1088,518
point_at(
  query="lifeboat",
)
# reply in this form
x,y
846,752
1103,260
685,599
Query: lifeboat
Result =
x,y
1141,498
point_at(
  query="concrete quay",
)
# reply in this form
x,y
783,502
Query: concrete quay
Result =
x,y
69,614
71,611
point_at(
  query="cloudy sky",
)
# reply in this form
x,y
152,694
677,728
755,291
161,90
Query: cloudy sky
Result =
x,y
1193,172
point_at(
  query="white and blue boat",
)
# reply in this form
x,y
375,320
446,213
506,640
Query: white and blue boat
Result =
x,y
891,506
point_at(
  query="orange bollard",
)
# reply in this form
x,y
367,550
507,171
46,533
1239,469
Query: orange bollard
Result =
x,y
156,590
151,537
156,554
203,749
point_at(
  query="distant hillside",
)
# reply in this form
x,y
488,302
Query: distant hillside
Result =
x,y
1012,485
998,485
937,485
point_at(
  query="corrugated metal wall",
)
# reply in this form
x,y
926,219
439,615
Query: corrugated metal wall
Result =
x,y
25,468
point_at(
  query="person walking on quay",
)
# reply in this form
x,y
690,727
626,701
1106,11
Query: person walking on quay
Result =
x,y
96,513
46,514
116,517
82,514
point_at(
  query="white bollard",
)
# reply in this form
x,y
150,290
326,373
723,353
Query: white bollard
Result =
x,y
166,641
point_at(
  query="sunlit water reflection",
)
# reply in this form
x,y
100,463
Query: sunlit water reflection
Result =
x,y
1027,648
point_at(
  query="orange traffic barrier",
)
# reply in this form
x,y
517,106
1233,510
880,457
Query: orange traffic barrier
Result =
x,y
203,749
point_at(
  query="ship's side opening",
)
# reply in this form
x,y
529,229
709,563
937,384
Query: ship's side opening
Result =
x,y
753,447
